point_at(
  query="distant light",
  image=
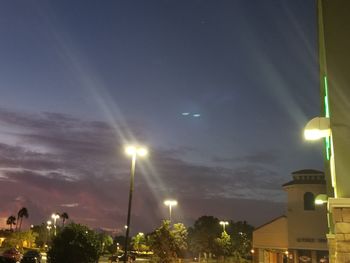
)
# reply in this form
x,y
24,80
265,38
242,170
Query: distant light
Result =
x,y
223,223
55,216
130,150
136,150
185,113
170,202
196,115
142,151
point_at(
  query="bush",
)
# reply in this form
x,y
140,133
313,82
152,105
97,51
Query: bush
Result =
x,y
75,244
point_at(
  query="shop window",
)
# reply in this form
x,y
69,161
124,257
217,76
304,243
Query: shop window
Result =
x,y
309,201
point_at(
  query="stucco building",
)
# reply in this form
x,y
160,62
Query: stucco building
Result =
x,y
300,234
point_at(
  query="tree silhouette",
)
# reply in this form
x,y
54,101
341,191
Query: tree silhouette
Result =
x,y
163,244
75,244
23,212
222,245
11,220
202,235
64,217
168,242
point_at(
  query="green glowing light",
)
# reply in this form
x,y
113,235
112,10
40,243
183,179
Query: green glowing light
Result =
x,y
328,147
326,105
326,111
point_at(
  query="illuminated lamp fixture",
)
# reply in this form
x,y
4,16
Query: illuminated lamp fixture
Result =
x,y
317,128
321,199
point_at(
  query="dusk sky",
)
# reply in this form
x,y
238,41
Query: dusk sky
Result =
x,y
80,79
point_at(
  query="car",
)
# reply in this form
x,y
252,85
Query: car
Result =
x,y
12,253
31,256
131,258
120,258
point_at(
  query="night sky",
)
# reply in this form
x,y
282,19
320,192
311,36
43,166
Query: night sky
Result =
x,y
80,79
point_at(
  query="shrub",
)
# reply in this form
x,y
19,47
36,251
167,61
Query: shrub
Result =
x,y
75,244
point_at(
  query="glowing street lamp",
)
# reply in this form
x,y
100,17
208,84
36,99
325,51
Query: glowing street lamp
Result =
x,y
224,224
133,152
321,199
55,216
48,226
170,203
252,251
317,128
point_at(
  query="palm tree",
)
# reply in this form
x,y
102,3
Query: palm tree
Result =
x,y
23,212
64,217
11,221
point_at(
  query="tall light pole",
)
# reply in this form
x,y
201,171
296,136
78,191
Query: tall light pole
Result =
x,y
133,152
224,224
170,203
48,226
55,216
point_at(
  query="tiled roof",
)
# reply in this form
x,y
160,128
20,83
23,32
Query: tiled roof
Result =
x,y
305,182
308,171
269,222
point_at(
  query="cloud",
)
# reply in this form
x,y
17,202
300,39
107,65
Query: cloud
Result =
x,y
266,157
56,162
70,205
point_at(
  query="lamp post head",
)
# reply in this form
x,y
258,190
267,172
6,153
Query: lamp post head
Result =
x,y
321,199
132,150
223,223
55,216
170,202
317,128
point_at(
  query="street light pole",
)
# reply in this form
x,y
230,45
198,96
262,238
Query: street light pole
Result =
x,y
170,203
133,152
132,175
55,216
224,224
170,212
48,226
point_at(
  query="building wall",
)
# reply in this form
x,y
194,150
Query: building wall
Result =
x,y
306,228
336,67
301,233
273,235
